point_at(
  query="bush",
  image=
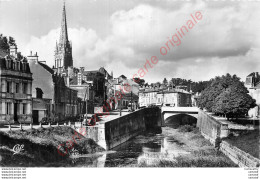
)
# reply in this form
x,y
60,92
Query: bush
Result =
x,y
186,128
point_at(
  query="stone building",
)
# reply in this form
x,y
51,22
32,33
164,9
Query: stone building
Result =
x,y
90,85
48,85
128,90
165,97
253,85
16,88
85,91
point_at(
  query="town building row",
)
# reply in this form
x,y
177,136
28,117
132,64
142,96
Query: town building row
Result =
x,y
253,85
165,96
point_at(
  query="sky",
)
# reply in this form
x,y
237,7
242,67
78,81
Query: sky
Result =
x,y
122,35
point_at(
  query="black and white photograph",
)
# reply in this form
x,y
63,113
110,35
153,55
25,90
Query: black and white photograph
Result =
x,y
144,88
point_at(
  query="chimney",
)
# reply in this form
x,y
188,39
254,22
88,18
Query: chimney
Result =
x,y
33,58
79,78
13,50
82,69
68,81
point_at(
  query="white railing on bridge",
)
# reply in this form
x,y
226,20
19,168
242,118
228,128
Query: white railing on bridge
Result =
x,y
180,109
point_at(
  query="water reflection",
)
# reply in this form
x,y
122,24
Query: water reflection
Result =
x,y
165,149
147,148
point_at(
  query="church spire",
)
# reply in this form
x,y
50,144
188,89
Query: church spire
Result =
x,y
64,33
63,52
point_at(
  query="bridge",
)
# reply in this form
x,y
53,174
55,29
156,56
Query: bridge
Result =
x,y
168,112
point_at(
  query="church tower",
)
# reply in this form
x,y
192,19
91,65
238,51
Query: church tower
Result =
x,y
63,50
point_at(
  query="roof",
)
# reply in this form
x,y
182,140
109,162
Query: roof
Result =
x,y
252,74
122,76
164,91
46,67
130,82
257,85
9,57
148,91
74,81
92,72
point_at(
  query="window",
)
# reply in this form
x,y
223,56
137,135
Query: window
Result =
x,y
8,108
24,108
39,93
9,87
25,88
17,87
18,66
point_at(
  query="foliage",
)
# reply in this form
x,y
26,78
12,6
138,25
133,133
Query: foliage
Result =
x,y
139,81
194,86
186,128
22,119
9,119
248,142
227,96
165,82
5,42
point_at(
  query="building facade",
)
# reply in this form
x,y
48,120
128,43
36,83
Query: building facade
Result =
x,y
253,85
50,86
173,98
16,88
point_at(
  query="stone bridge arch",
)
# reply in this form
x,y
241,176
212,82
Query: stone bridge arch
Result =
x,y
179,115
175,120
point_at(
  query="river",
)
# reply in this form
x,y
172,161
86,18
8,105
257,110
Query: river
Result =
x,y
145,148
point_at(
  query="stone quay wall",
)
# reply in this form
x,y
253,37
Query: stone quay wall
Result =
x,y
215,131
238,156
109,134
211,129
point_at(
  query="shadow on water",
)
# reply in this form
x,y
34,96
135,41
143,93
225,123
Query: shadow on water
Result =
x,y
180,119
147,147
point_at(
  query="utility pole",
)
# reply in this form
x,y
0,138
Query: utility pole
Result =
x,y
131,101
120,107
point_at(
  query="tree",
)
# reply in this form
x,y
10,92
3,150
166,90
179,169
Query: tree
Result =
x,y
158,84
165,82
139,81
171,83
194,86
227,96
3,43
233,103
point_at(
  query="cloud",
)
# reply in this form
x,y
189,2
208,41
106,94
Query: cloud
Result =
x,y
224,40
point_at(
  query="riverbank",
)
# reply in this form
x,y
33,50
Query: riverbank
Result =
x,y
200,153
40,147
249,142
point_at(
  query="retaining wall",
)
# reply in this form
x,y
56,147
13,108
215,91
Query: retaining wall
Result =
x,y
110,134
211,129
238,156
214,131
